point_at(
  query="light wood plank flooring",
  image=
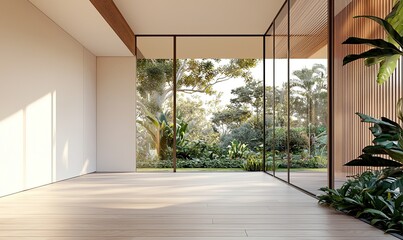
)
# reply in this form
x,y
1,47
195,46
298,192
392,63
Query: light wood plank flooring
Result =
x,y
167,206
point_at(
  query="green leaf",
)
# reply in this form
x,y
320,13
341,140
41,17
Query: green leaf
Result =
x,y
396,154
369,160
388,27
373,60
369,119
399,109
377,220
375,52
375,212
387,68
380,43
376,149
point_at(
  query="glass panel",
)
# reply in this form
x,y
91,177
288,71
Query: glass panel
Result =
x,y
281,93
219,103
269,103
154,103
308,94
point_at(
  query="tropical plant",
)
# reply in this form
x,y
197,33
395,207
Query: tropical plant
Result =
x,y
388,134
158,129
385,52
388,140
237,150
373,195
253,163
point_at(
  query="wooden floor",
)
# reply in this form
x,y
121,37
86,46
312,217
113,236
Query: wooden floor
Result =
x,y
181,206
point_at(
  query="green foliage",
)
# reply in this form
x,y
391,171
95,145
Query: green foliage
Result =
x,y
253,163
388,140
193,163
298,139
376,196
237,150
159,131
247,133
385,52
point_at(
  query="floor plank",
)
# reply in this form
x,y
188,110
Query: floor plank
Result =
x,y
166,206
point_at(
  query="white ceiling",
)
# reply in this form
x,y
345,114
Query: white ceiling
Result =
x,y
199,16
82,21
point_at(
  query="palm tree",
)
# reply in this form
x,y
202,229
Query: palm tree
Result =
x,y
310,85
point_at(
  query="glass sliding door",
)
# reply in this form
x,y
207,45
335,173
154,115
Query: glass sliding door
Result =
x,y
154,103
308,94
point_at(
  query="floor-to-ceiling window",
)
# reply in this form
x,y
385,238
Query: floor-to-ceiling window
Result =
x,y
211,90
154,103
216,103
296,65
308,86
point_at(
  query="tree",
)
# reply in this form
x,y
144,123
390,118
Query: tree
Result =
x,y
229,118
155,77
309,92
155,89
249,96
309,87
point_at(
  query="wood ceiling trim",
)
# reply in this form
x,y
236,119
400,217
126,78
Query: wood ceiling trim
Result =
x,y
115,19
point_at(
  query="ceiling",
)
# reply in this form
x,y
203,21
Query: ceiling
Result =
x,y
82,21
199,16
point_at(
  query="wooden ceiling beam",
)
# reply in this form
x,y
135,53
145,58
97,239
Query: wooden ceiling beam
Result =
x,y
115,19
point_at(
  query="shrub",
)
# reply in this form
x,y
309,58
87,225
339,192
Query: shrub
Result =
x,y
193,163
253,163
373,195
298,140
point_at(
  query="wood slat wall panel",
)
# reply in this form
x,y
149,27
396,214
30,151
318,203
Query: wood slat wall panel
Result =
x,y
356,89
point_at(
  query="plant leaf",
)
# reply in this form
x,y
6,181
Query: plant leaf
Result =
x,y
399,109
375,212
374,149
375,52
369,160
380,43
369,119
373,60
387,68
388,27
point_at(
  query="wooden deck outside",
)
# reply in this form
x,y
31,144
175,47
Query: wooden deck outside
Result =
x,y
181,206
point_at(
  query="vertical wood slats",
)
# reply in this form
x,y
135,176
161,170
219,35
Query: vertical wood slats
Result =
x,y
356,89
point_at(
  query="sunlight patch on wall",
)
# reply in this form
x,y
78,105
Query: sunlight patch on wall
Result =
x,y
12,153
39,141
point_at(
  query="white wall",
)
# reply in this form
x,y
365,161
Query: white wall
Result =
x,y
116,133
47,101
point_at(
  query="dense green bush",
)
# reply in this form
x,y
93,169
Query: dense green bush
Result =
x,y
254,162
373,195
194,163
246,133
298,140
